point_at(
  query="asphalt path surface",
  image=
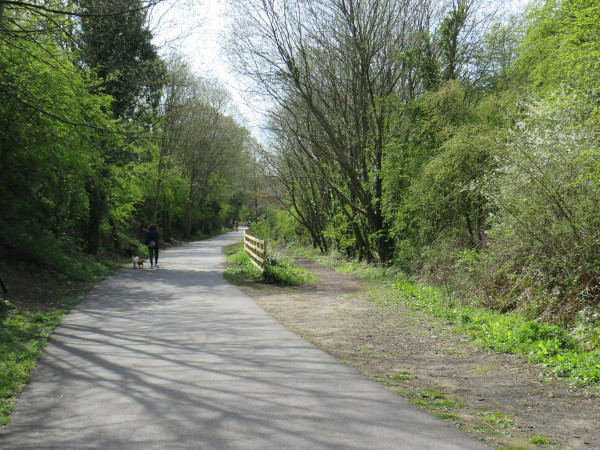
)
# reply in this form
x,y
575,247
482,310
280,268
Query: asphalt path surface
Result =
x,y
178,358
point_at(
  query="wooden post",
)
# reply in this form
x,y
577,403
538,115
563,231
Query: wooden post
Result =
x,y
256,250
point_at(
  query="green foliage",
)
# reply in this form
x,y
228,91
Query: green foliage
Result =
x,y
561,48
77,97
285,272
509,334
23,335
443,171
498,420
544,344
489,183
541,440
239,268
115,41
450,31
547,219
339,232
279,270
448,193
496,58
278,225
46,120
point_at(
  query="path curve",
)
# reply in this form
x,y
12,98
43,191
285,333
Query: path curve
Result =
x,y
177,358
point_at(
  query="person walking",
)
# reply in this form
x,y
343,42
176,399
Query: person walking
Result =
x,y
151,239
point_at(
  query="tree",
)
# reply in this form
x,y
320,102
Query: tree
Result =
x,y
305,194
203,152
115,42
335,61
344,71
561,48
211,147
547,204
49,121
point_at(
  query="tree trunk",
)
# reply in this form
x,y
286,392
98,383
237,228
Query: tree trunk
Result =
x,y
115,235
96,204
3,287
166,225
187,227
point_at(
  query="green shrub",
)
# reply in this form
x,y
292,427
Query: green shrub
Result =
x,y
541,440
239,268
279,270
5,307
278,225
60,255
549,345
285,272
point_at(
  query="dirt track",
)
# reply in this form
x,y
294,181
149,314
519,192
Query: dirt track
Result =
x,y
495,397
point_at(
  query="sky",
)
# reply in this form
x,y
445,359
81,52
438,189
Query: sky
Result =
x,y
197,29
200,25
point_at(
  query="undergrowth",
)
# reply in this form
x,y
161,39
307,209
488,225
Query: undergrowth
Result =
x,y
24,331
284,271
280,270
549,345
561,351
23,335
239,268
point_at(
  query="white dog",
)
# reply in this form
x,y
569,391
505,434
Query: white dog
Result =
x,y
138,263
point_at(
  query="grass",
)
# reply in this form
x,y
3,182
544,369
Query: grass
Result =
x,y
435,402
498,420
446,416
541,440
369,352
280,270
24,331
23,335
556,349
548,345
239,268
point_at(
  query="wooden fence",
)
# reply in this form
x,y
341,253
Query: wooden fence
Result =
x,y
257,250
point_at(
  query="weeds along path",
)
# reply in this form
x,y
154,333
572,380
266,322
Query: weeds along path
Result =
x,y
496,396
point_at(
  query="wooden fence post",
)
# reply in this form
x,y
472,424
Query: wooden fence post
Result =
x,y
256,250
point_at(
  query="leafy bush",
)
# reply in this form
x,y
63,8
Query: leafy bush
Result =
x,y
239,268
60,255
284,271
279,270
546,226
545,344
509,333
278,225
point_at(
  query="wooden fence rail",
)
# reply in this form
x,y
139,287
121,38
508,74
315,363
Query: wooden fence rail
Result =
x,y
257,250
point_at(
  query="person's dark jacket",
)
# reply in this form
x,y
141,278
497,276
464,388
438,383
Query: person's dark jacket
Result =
x,y
152,235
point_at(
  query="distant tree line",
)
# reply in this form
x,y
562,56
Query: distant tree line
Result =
x,y
445,138
100,136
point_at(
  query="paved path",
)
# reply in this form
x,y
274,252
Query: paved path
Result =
x,y
177,358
